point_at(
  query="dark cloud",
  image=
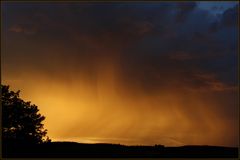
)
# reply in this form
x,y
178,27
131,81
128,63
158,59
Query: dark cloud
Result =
x,y
229,17
184,9
92,27
20,29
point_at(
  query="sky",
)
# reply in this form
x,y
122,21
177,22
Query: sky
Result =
x,y
134,73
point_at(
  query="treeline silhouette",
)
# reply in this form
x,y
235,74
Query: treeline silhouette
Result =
x,y
79,150
24,136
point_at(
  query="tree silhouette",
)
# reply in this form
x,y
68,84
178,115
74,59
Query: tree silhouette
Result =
x,y
21,122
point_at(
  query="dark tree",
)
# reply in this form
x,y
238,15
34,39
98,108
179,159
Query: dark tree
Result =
x,y
21,122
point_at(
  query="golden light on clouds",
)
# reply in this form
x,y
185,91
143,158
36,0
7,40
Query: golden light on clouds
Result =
x,y
106,111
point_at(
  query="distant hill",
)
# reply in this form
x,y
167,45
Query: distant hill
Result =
x,y
101,150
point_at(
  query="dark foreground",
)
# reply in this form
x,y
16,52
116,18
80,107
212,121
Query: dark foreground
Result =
x,y
78,150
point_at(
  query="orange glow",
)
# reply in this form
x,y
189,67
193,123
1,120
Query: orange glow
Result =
x,y
132,73
109,111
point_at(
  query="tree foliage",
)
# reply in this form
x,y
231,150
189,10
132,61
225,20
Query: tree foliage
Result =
x,y
21,122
